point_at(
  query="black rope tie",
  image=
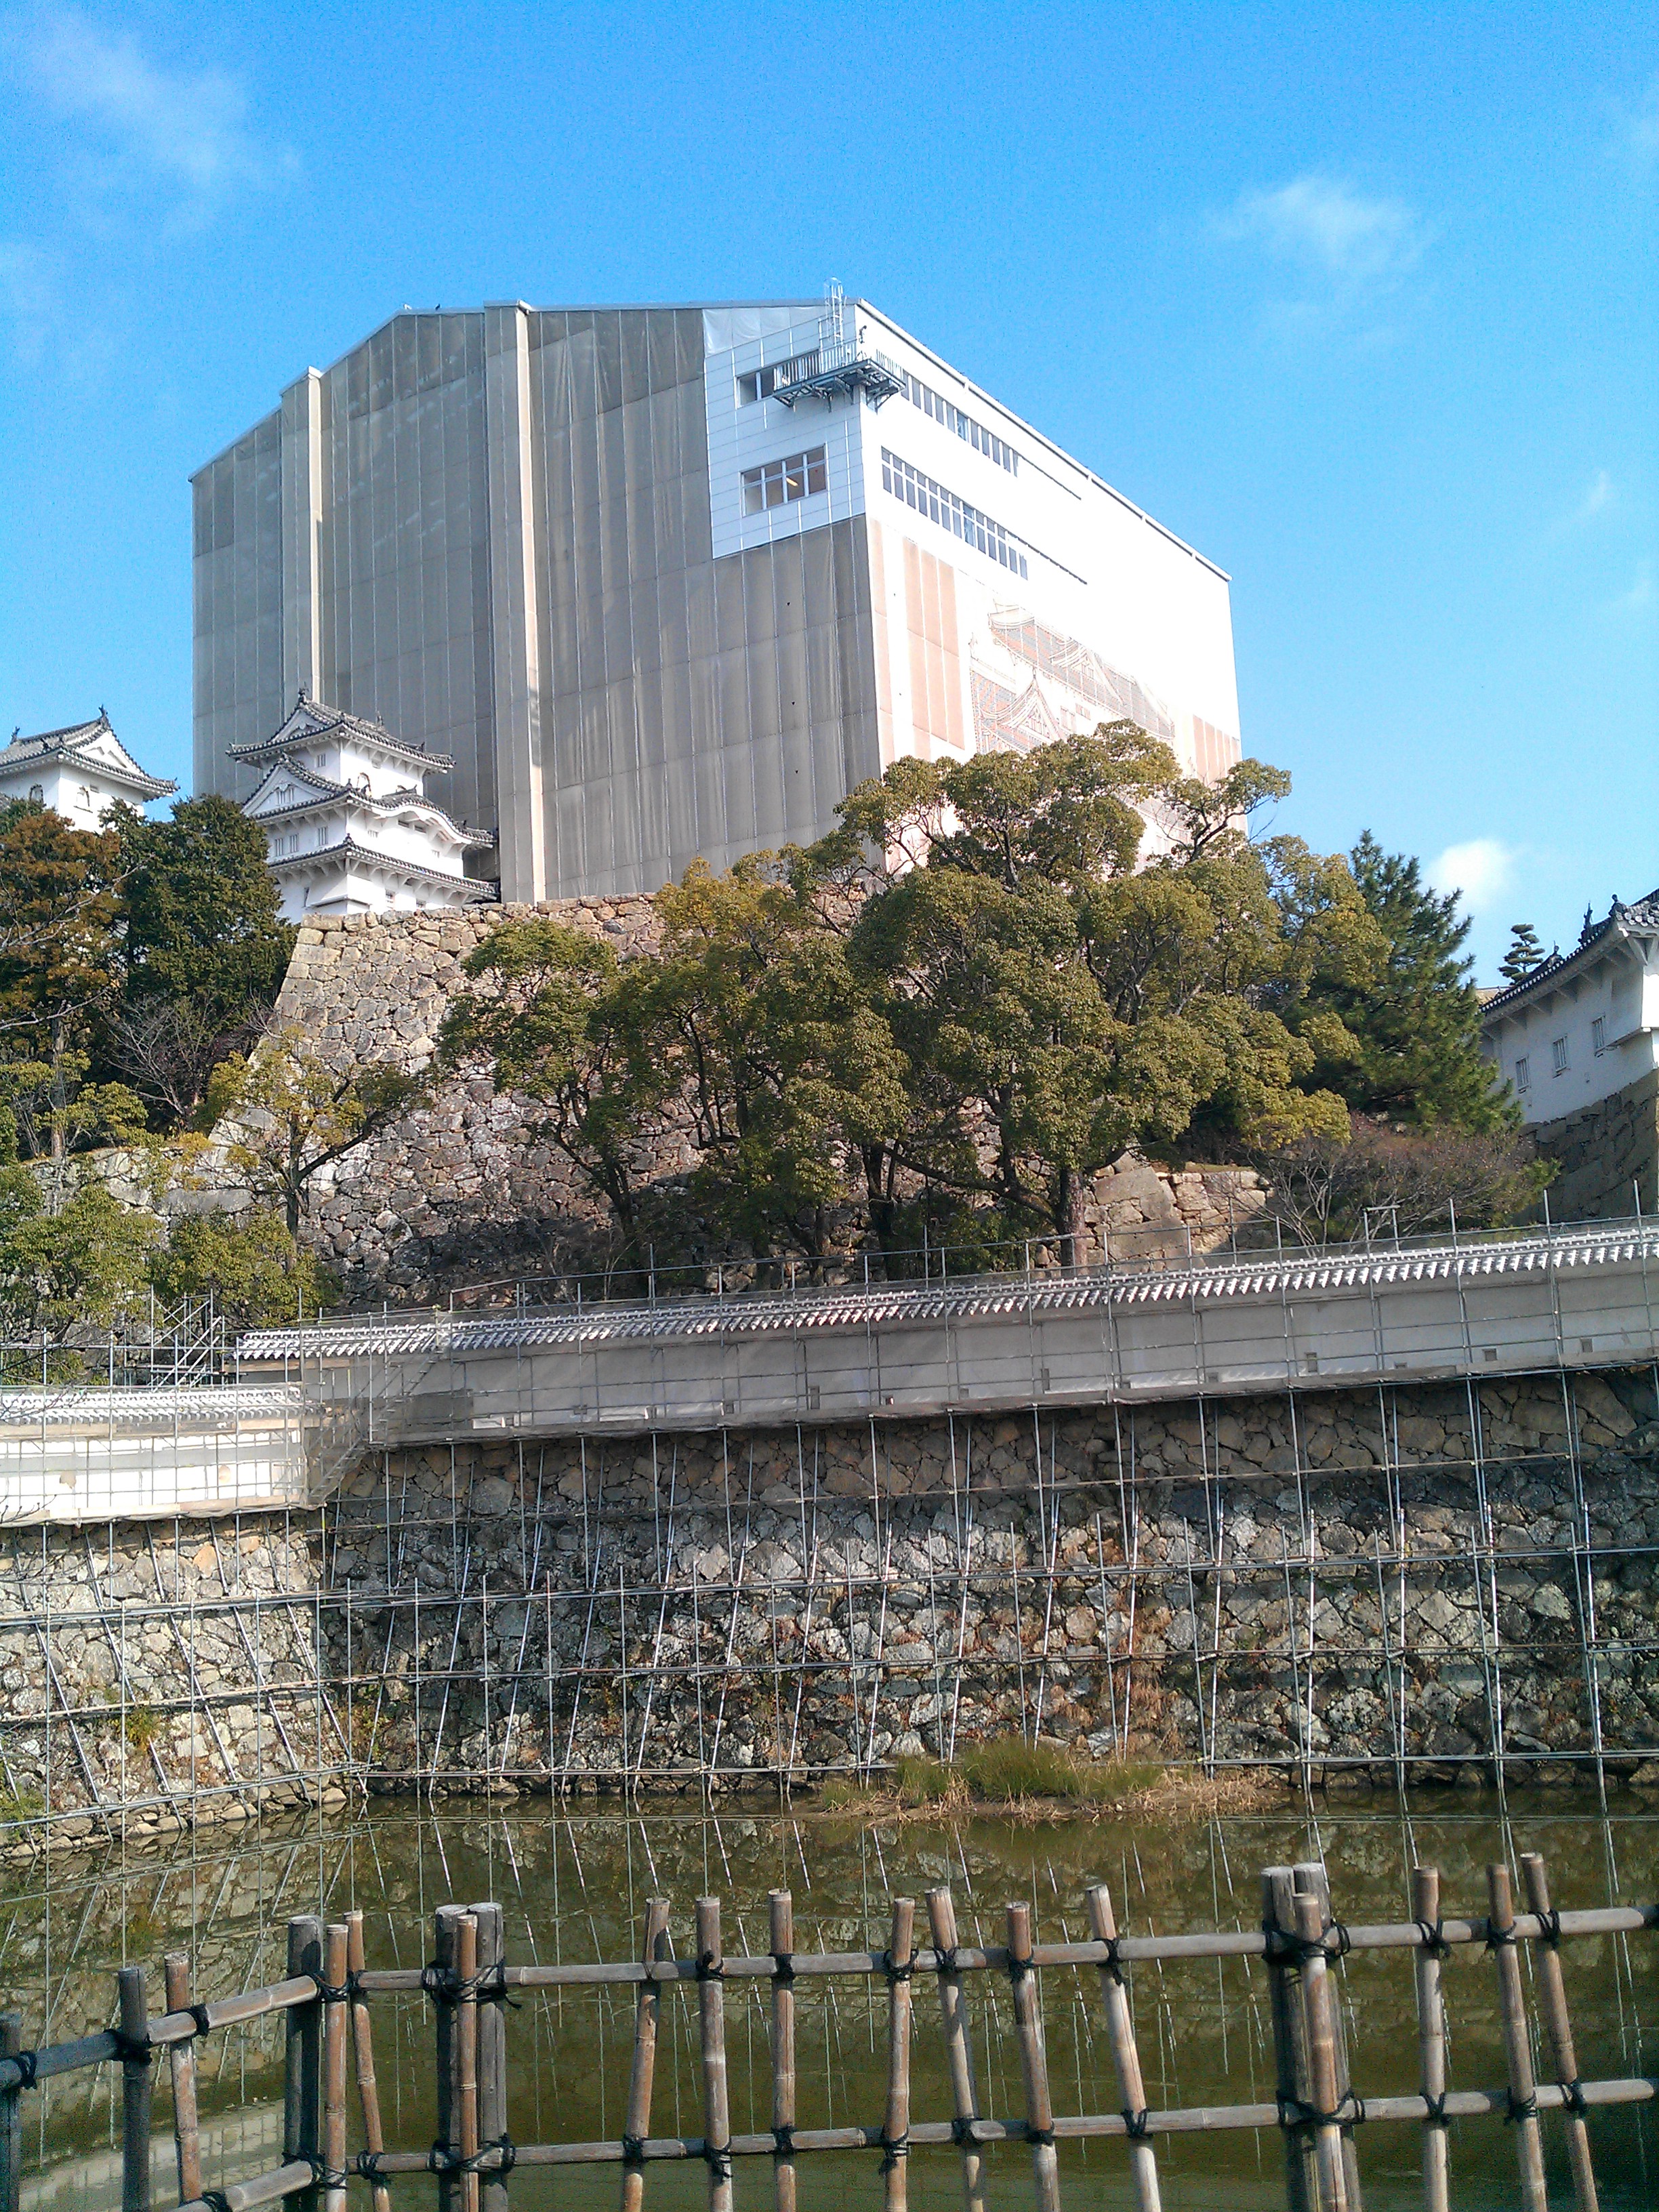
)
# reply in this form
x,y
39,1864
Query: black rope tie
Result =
x,y
25,2062
1039,2134
783,2141
1550,1926
367,2165
1436,2114
487,1986
1434,1939
333,1992
325,2175
498,2156
203,2025
893,2148
1135,2124
896,1969
710,1966
216,2200
133,2050
1348,2111
1018,1969
945,1959
783,1965
962,2132
633,2150
1519,2108
1500,1939
1572,2098
1112,1962
718,2156
1285,1948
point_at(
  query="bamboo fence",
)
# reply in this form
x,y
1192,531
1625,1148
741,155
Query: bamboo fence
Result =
x,y
326,2001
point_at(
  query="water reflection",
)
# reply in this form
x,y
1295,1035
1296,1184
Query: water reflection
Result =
x,y
573,1886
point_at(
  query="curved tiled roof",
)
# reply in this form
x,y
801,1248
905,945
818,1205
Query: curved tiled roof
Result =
x,y
323,720
1222,1279
1639,918
290,863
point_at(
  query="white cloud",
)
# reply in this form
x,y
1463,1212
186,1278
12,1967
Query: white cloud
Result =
x,y
1482,871
1641,595
1601,493
1638,132
185,130
1323,226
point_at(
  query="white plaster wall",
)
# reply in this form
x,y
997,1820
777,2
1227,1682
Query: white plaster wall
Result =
x,y
1620,991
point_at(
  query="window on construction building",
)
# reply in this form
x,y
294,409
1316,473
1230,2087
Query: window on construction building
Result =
x,y
972,433
778,482
1599,1035
1522,1075
1559,1054
38,793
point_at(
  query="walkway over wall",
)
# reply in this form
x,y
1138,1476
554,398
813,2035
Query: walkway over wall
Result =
x,y
1511,1304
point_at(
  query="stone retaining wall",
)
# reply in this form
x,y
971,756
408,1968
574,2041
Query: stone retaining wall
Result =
x,y
1605,1153
1339,1585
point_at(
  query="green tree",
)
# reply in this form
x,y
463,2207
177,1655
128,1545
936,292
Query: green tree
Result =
x,y
205,949
259,1276
1525,954
291,1115
1072,1003
86,1263
792,1078
59,965
1415,1024
555,1018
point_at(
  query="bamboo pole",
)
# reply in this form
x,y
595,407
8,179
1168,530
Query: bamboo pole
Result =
x,y
782,1911
362,2044
135,2091
11,2130
1529,2142
637,2125
181,2065
1125,2055
335,1947
1310,1876
1033,2059
958,2046
302,2043
1322,2054
492,2050
1432,2042
895,2125
1292,2084
447,2045
1558,2026
711,2022
466,2051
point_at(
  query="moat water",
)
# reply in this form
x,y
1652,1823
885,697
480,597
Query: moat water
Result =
x,y
573,1884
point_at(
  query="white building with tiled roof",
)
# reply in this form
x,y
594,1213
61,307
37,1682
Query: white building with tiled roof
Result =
x,y
1578,1041
79,772
348,825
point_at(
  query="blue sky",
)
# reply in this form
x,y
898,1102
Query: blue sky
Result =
x,y
1360,301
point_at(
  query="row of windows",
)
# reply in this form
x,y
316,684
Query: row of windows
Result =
x,y
950,512
1560,1060
762,383
778,481
944,411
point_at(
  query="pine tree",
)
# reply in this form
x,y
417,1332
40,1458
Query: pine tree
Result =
x,y
1415,1027
1524,956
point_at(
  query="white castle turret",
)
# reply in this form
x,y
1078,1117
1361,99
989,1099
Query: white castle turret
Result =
x,y
348,823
